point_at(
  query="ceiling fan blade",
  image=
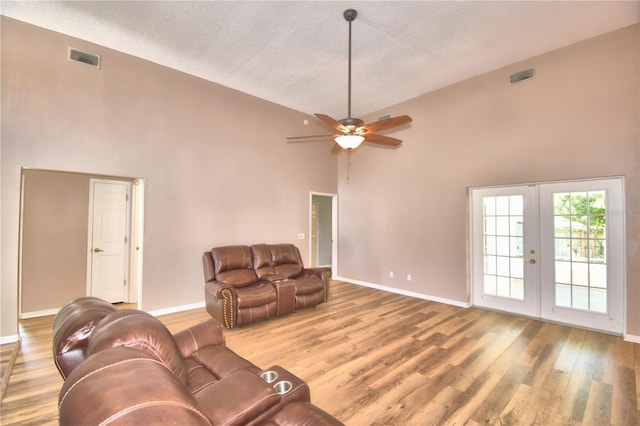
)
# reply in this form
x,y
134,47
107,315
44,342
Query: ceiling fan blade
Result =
x,y
293,138
382,140
334,124
387,123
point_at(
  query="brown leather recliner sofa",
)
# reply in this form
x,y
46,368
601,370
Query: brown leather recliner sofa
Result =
x,y
123,367
246,284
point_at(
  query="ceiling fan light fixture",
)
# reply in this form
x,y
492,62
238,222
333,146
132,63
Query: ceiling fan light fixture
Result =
x,y
349,141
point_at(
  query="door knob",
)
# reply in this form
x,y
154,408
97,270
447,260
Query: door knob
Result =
x,y
532,261
97,250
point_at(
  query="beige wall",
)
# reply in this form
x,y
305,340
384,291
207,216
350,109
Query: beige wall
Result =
x,y
217,171
405,210
216,166
54,255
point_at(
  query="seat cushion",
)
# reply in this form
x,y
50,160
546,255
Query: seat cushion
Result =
x,y
238,277
308,284
241,398
256,295
221,361
198,375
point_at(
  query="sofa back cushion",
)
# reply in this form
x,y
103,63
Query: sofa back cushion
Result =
x,y
123,386
234,265
262,263
286,260
138,330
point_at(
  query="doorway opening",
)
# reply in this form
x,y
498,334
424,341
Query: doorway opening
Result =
x,y
54,254
323,212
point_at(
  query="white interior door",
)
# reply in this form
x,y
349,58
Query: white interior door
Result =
x,y
108,233
553,251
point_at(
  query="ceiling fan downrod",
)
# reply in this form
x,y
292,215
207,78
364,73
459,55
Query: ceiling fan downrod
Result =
x,y
349,15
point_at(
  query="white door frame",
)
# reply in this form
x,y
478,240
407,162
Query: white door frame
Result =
x,y
127,250
137,247
334,228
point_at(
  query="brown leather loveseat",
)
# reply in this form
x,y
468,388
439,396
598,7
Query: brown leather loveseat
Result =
x,y
245,284
123,367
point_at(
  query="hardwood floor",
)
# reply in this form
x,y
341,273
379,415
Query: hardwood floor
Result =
x,y
376,358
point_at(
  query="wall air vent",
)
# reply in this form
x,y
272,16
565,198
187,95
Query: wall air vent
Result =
x,y
384,117
76,55
523,75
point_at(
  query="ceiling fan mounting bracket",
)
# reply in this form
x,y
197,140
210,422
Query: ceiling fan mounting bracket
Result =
x,y
350,14
356,122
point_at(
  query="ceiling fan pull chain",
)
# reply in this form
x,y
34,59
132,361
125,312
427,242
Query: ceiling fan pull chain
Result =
x,y
348,163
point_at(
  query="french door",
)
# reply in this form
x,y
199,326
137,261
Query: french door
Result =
x,y
553,251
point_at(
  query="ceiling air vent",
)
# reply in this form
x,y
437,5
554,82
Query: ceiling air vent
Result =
x,y
84,57
523,75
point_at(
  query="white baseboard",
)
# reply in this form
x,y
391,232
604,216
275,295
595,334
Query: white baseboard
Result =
x,y
9,339
36,314
405,292
631,338
174,309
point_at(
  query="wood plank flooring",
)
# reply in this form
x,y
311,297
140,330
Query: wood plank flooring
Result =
x,y
376,358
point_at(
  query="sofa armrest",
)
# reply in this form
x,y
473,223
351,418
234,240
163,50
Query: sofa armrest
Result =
x,y
207,333
324,274
220,302
239,399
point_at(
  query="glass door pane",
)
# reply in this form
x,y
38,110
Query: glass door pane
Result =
x,y
580,241
503,252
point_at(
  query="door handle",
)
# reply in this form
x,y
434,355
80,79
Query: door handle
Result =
x,y
97,250
532,261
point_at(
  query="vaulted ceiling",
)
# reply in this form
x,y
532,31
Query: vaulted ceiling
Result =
x,y
294,53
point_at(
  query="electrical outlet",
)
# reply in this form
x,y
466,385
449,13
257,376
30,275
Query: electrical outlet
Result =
x,y
390,274
408,277
301,236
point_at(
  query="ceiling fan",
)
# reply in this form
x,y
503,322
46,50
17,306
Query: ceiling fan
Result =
x,y
353,131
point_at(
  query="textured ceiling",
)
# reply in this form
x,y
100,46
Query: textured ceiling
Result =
x,y
294,53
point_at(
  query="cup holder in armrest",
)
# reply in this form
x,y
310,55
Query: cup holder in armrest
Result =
x,y
269,376
283,387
